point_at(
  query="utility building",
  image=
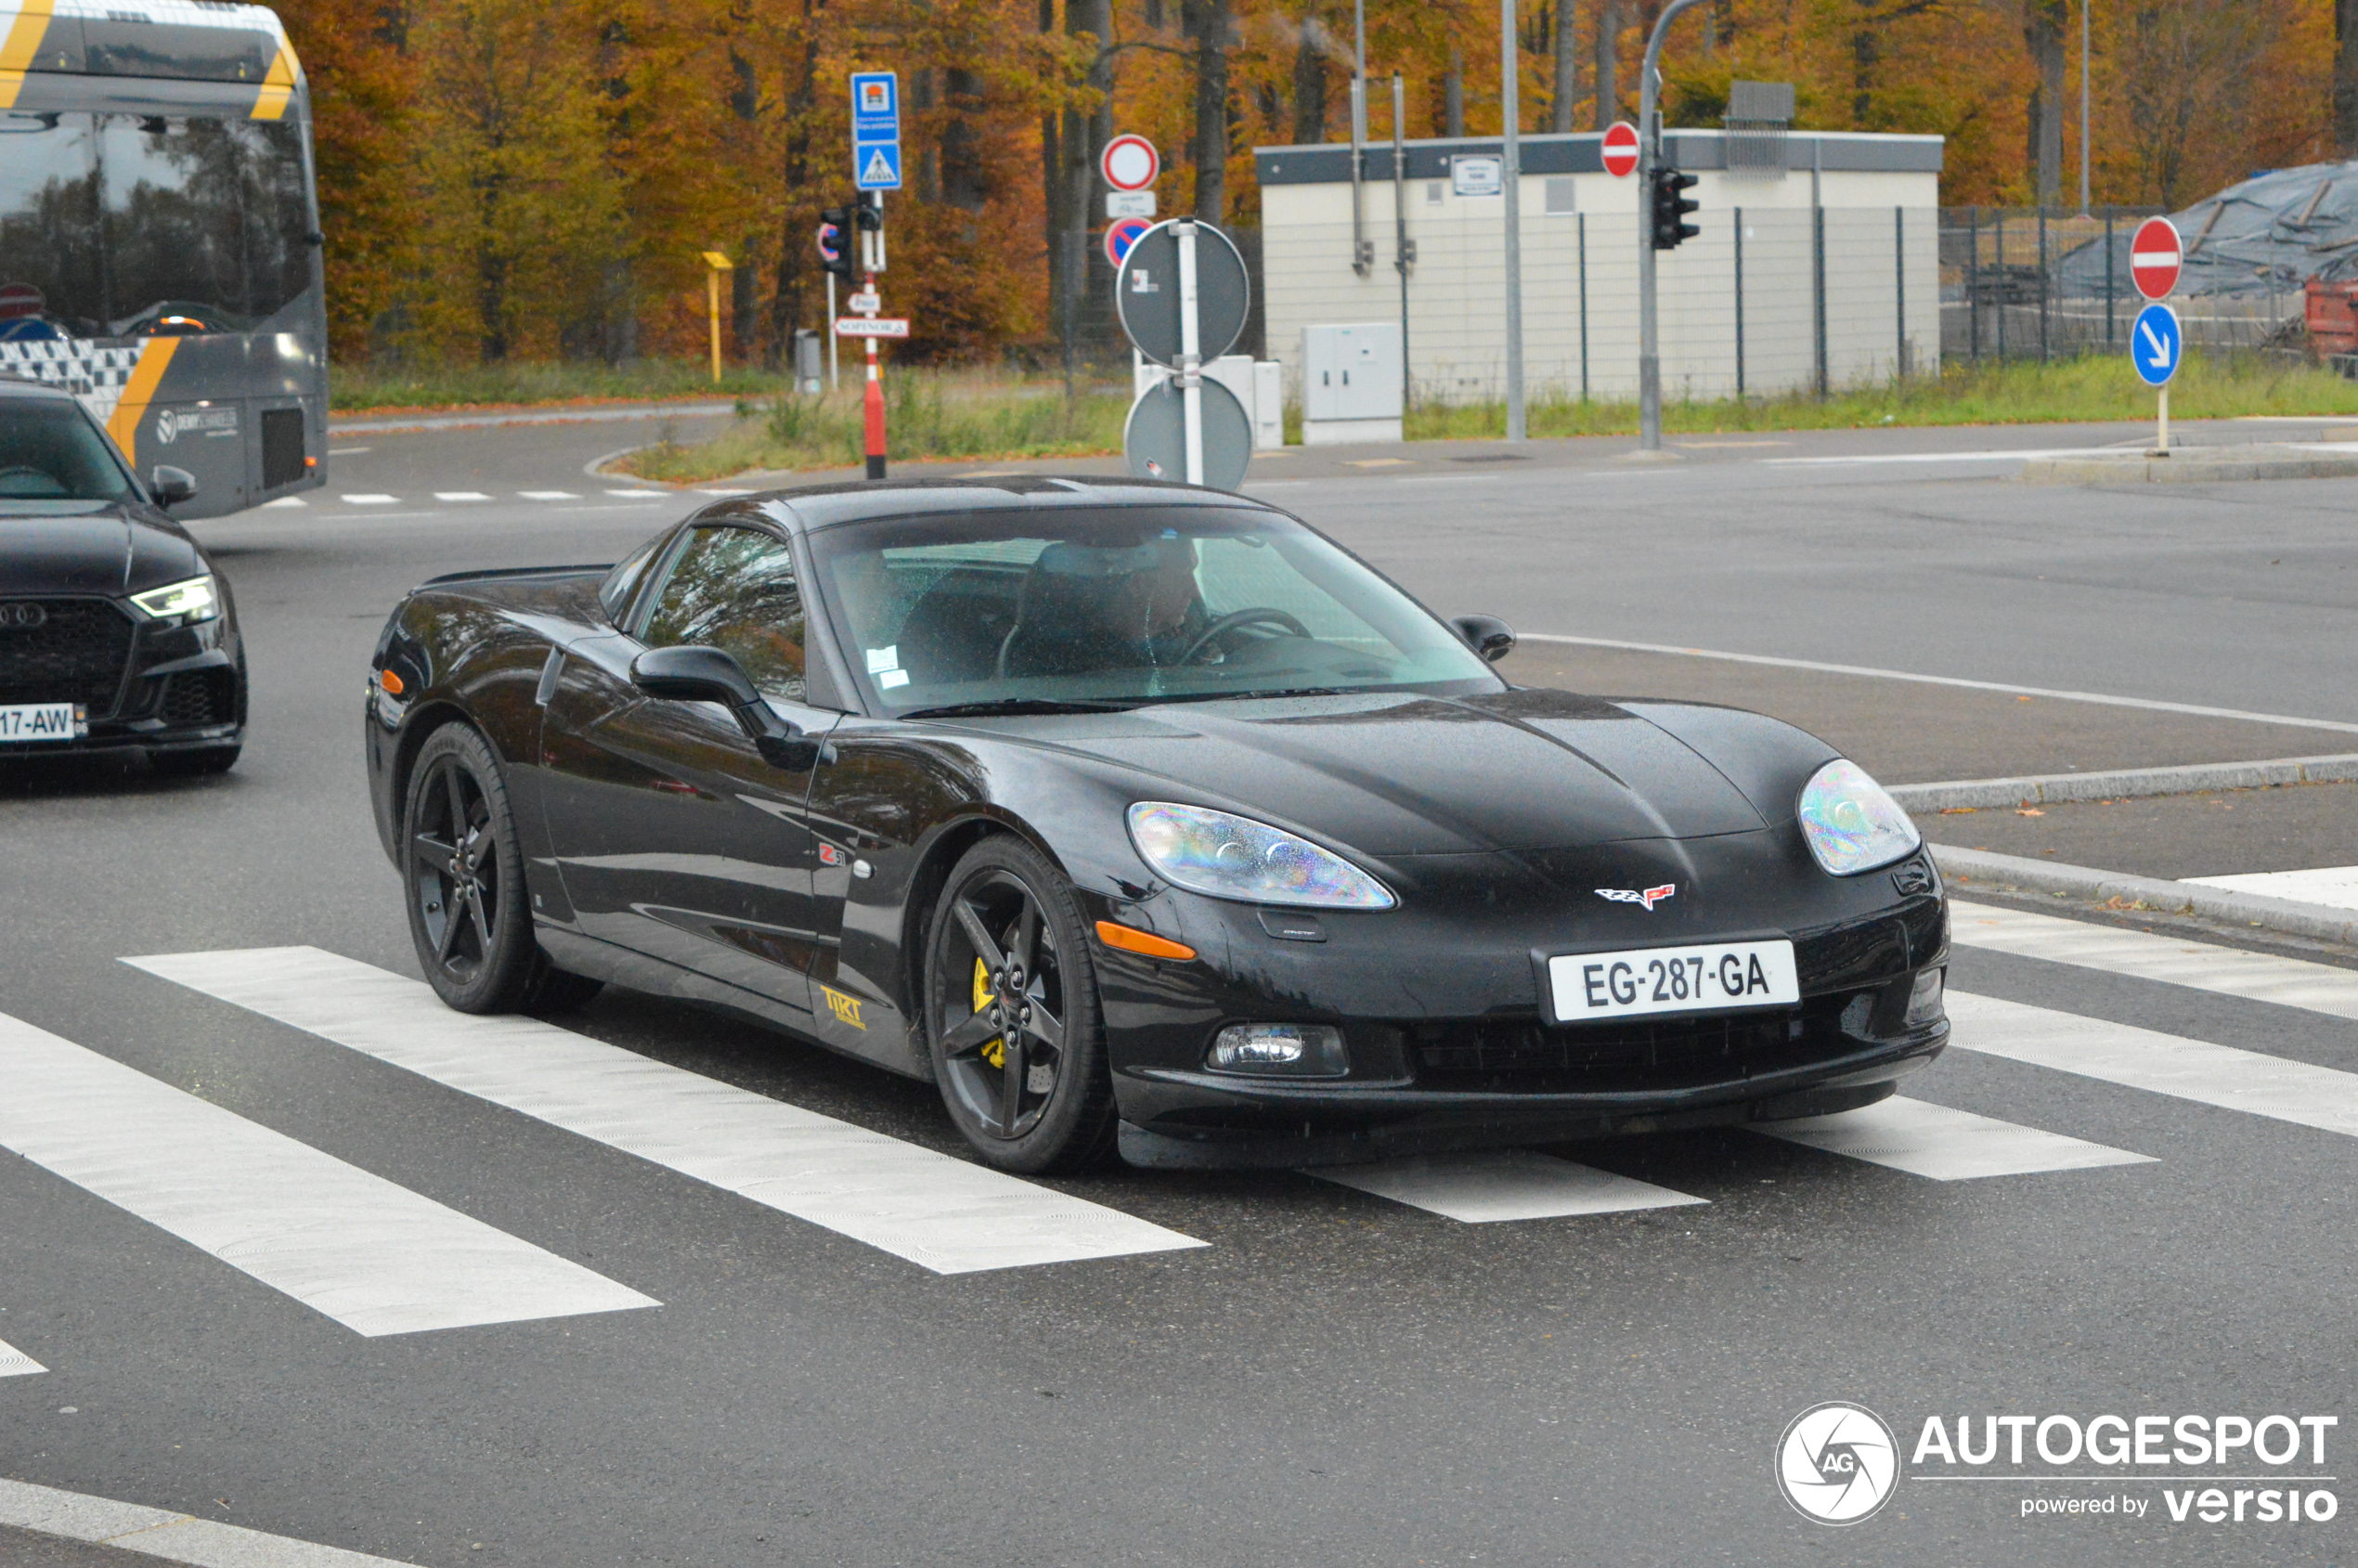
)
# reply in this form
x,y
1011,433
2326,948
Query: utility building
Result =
x,y
1817,263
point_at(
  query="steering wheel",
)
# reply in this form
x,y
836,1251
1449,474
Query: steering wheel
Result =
x,y
1251,616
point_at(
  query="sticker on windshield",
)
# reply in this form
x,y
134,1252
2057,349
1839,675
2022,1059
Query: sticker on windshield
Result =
x,y
882,659
890,678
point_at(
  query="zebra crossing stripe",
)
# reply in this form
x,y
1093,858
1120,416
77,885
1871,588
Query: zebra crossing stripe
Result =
x,y
158,1533
943,1214
2164,1064
15,1362
1513,1184
376,1257
1944,1144
2255,977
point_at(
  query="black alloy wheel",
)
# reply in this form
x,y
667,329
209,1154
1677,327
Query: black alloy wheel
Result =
x,y
462,880
1014,1030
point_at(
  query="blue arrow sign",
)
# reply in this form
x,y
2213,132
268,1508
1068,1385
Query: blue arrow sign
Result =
x,y
875,130
2156,345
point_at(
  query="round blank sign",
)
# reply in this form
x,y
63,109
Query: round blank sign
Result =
x,y
1147,292
1130,162
1156,438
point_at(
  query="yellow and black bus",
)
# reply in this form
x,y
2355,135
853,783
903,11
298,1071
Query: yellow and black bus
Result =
x,y
160,246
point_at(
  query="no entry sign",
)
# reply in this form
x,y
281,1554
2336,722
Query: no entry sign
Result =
x,y
2154,258
1130,163
1621,150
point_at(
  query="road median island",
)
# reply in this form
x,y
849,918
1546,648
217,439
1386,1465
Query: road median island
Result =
x,y
2198,465
1971,871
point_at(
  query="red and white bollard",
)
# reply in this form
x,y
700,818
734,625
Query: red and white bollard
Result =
x,y
874,406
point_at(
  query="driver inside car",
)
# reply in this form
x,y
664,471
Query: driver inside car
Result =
x,y
1092,607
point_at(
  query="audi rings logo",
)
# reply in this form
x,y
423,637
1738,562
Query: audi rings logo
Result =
x,y
22,617
1837,1463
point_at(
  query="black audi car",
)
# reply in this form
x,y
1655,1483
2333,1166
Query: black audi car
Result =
x,y
1138,816
116,633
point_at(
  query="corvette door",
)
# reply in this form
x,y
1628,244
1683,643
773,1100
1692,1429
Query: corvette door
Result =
x,y
673,836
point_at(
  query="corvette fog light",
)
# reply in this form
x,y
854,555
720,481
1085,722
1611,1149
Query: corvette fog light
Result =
x,y
1923,1001
1279,1051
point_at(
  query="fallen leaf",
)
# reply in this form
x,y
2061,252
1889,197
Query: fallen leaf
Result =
x,y
2028,811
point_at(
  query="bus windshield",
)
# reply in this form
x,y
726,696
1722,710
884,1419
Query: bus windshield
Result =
x,y
141,225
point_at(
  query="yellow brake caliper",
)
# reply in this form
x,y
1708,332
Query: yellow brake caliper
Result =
x,y
994,1053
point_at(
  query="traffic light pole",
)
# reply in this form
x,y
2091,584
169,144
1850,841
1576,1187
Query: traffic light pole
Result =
x,y
1648,160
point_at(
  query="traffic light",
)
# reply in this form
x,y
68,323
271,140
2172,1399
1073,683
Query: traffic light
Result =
x,y
871,242
836,251
1671,207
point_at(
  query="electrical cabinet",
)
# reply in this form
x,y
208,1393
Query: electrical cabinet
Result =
x,y
1351,383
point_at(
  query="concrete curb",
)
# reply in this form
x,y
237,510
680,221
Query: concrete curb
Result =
x,y
2126,783
2196,465
1963,868
364,425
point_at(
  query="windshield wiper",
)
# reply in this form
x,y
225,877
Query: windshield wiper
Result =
x,y
1251,694
1003,705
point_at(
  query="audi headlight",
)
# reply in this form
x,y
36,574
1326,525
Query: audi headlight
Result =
x,y
187,603
1232,857
1851,824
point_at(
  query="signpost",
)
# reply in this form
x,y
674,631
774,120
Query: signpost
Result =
x,y
1650,157
1182,293
2157,344
1621,150
875,168
714,265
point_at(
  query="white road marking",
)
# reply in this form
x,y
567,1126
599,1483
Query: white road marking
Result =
x,y
941,1213
2255,977
638,492
461,496
1946,1144
2334,886
549,494
370,500
15,1362
726,491
284,502
171,1537
1511,1184
377,1258
2102,699
2164,1064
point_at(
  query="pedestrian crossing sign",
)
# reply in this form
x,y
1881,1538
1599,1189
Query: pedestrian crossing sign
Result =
x,y
878,167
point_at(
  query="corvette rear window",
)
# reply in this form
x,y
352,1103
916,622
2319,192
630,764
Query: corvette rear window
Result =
x,y
1122,606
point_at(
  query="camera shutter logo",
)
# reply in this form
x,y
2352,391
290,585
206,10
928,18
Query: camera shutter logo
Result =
x,y
167,427
1837,1463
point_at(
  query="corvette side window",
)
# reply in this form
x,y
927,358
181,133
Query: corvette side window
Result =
x,y
734,589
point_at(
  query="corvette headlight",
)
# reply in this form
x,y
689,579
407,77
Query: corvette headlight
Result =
x,y
187,603
1232,857
1851,824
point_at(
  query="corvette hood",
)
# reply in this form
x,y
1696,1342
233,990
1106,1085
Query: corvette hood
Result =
x,y
1401,775
112,550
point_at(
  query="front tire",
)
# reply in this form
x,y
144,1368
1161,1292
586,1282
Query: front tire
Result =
x,y
1013,1021
462,877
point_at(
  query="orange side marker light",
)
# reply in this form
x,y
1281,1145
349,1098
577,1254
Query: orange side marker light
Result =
x,y
1129,940
390,682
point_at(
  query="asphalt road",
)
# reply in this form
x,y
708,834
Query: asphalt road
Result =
x,y
1333,1376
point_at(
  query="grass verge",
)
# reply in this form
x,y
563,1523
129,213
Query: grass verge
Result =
x,y
928,416
2090,389
355,387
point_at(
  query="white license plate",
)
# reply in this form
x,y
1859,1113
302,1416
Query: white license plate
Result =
x,y
1709,978
43,722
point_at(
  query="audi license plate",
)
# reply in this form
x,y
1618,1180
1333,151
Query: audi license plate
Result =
x,y
1711,977
43,722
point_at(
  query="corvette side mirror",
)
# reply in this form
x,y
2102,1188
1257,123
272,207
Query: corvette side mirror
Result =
x,y
1486,635
172,485
707,675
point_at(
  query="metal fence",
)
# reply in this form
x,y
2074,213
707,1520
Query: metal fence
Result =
x,y
2036,283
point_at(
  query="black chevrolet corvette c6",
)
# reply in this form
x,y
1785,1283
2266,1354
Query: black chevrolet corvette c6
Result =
x,y
116,633
1138,814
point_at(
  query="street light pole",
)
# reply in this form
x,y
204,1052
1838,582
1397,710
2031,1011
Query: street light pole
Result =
x,y
1648,160
1510,180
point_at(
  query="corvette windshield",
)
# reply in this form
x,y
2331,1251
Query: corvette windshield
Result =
x,y
1113,607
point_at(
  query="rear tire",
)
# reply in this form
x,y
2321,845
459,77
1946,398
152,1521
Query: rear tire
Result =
x,y
1013,1023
